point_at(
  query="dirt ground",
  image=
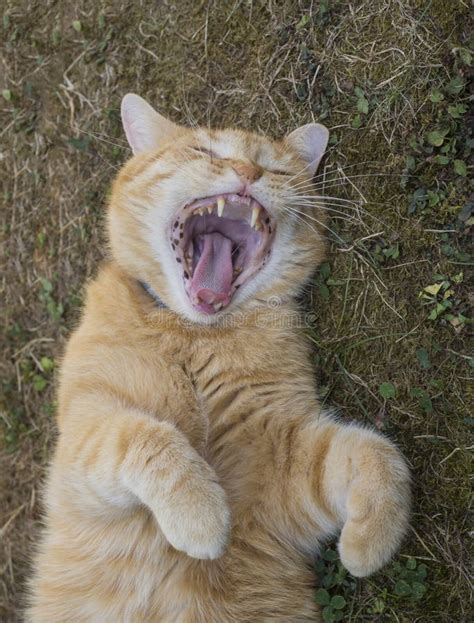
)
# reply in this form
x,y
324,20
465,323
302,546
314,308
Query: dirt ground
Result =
x,y
390,78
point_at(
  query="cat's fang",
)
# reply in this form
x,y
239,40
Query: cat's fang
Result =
x,y
220,206
209,209
255,213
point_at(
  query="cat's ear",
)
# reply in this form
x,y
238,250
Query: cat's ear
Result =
x,y
310,142
144,127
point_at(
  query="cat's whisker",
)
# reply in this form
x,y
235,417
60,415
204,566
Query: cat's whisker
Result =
x,y
297,214
341,215
303,221
318,197
338,181
323,203
189,117
301,171
322,206
310,199
340,173
311,186
357,209
99,137
328,199
361,175
343,181
109,164
344,246
341,168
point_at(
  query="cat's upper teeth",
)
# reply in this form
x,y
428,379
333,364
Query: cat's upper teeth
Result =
x,y
220,206
255,213
255,222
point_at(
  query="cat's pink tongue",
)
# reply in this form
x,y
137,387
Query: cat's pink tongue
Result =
x,y
212,276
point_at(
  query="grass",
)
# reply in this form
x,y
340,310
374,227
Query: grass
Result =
x,y
391,304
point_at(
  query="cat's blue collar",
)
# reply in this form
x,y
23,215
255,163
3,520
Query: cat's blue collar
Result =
x,y
149,290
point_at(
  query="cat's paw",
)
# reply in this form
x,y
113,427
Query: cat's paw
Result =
x,y
378,511
361,552
198,524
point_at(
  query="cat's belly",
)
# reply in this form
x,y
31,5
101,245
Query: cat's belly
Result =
x,y
122,570
101,569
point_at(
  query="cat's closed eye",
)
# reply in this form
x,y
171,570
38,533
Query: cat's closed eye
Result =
x,y
204,152
212,154
278,172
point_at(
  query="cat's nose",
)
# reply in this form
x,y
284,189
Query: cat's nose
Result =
x,y
249,171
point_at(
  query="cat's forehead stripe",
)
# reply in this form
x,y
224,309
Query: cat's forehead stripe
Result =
x,y
238,142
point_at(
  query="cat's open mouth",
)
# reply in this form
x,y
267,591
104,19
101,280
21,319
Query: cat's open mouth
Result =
x,y
220,242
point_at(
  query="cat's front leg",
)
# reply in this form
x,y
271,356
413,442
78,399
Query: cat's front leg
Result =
x,y
334,478
363,482
181,489
112,457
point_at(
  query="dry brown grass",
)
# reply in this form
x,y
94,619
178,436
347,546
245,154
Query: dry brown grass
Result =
x,y
267,66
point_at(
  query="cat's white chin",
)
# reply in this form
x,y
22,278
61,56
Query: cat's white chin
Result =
x,y
220,242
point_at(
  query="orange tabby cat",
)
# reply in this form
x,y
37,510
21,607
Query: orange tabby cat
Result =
x,y
195,475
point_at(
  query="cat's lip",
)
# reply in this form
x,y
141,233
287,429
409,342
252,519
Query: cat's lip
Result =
x,y
237,218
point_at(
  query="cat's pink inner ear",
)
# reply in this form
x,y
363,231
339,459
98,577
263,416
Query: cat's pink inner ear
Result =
x,y
310,142
144,127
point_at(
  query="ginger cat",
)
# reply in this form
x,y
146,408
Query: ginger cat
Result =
x,y
195,474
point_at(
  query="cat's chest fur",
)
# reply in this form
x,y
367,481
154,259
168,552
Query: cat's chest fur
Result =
x,y
219,386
